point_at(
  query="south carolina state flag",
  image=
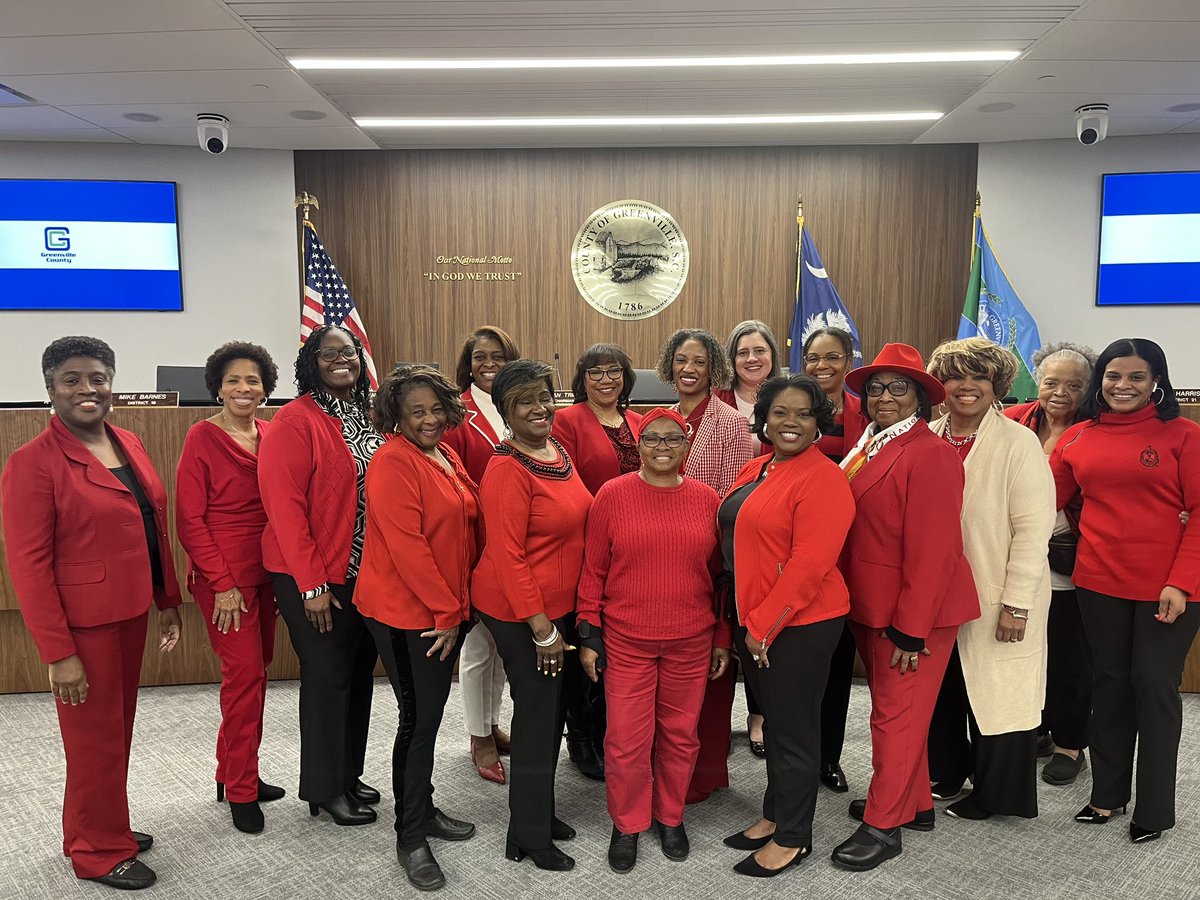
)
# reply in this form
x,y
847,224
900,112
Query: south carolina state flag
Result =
x,y
817,302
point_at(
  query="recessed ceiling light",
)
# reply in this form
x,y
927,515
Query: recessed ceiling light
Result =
x,y
635,121
307,115
141,117
1184,107
996,107
663,62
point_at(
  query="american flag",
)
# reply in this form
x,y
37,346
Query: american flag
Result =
x,y
327,301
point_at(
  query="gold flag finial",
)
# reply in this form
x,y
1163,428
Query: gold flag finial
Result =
x,y
977,204
800,209
305,199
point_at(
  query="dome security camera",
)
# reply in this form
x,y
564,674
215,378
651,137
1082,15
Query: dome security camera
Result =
x,y
1091,123
213,132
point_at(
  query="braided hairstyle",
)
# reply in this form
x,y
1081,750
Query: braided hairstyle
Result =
x,y
308,376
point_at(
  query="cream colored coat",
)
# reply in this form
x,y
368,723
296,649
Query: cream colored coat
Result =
x,y
1007,516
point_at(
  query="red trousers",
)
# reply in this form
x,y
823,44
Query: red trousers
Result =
x,y
654,690
96,737
715,730
245,655
901,708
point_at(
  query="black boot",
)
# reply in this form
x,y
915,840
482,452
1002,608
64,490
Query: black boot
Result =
x,y
583,755
622,851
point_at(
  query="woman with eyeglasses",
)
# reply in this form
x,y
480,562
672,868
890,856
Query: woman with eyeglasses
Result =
x,y
647,622
755,356
312,465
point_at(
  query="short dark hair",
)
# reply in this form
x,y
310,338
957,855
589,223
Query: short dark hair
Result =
x,y
64,348
308,376
1142,348
741,330
719,369
601,353
822,406
841,335
492,332
389,399
214,366
924,407
515,378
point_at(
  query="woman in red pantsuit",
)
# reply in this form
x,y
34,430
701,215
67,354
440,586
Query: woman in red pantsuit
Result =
x,y
910,588
85,529
220,519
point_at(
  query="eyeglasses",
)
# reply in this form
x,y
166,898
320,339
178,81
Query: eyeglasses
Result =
x,y
614,374
897,388
831,358
653,441
329,354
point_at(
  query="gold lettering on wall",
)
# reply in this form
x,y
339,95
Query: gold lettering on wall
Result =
x,y
463,261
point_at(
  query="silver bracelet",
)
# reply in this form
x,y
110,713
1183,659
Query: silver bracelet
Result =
x,y
1016,613
549,640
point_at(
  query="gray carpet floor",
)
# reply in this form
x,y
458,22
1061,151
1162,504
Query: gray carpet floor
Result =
x,y
198,854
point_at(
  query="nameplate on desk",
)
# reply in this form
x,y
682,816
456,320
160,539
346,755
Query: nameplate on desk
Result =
x,y
136,399
1187,395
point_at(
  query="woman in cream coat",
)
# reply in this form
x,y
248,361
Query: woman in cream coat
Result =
x,y
987,715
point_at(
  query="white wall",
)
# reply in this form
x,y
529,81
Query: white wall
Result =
x,y
237,232
1041,208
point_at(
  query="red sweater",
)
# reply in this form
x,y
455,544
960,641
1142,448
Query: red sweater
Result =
x,y
219,514
1135,473
583,437
534,548
649,559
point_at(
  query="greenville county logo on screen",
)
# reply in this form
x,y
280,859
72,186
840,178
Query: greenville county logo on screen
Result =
x,y
630,260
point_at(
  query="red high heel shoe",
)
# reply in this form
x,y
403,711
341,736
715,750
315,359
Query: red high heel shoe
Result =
x,y
494,772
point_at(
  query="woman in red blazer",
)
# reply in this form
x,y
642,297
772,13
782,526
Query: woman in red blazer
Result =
x,y
311,472
910,589
480,669
422,515
220,518
85,530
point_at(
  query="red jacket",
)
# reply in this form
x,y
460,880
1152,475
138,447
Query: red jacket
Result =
x,y
75,540
473,440
904,561
309,489
719,448
580,432
420,541
786,542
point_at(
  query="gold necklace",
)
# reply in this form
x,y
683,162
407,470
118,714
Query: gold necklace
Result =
x,y
250,437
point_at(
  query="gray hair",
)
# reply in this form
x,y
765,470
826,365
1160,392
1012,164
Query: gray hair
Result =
x,y
752,326
1082,354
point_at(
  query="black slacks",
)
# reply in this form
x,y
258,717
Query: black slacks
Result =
x,y
836,702
537,725
585,709
1068,674
336,680
1137,667
789,693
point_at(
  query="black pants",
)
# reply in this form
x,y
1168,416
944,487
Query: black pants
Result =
x,y
836,702
537,724
336,680
584,708
421,684
1068,674
1002,767
789,693
1137,667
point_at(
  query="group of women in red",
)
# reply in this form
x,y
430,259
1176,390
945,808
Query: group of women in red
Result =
x,y
618,570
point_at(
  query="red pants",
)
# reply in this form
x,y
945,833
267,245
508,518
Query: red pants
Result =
x,y
901,707
654,690
96,737
244,655
715,730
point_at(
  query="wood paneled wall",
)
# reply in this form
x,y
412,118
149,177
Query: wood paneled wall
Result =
x,y
892,224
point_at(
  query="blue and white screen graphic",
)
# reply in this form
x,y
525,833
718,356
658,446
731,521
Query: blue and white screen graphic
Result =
x,y
110,245
1149,239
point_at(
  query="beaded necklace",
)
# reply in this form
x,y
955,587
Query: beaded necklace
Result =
x,y
558,471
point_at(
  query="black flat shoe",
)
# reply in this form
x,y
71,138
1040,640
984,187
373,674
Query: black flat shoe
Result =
x,y
421,868
1062,769
364,793
923,821
1140,835
751,866
947,790
266,792
1045,746
560,830
345,810
144,841
549,858
867,848
131,875
674,839
1089,816
622,851
247,817
834,778
440,825
584,757
758,748
968,808
739,841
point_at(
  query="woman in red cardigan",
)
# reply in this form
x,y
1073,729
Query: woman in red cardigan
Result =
x,y
85,530
783,524
220,518
534,506
422,517
910,588
1136,464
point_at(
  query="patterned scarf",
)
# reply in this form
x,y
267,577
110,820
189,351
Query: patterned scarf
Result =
x,y
871,443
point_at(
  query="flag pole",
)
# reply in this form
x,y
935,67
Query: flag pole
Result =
x,y
304,200
799,229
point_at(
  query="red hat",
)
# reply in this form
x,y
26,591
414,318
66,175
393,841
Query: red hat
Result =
x,y
663,412
903,360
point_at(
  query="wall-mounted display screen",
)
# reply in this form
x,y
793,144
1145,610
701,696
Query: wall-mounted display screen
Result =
x,y
1149,239
102,245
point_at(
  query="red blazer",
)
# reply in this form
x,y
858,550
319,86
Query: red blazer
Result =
x,y
580,432
420,540
75,540
720,447
309,489
904,561
786,542
473,440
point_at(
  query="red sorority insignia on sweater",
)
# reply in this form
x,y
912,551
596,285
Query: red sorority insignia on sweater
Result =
x,y
1149,457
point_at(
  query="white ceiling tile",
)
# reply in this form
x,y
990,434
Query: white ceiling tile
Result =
x,y
338,137
41,117
142,52
165,87
1142,41
266,114
1140,10
51,17
86,135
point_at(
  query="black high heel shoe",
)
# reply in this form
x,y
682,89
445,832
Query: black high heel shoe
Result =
x,y
751,866
344,810
1140,835
560,830
266,792
550,858
1089,816
364,793
739,841
247,817
834,778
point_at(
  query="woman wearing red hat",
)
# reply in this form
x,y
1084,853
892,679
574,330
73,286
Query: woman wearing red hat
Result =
x,y
910,589
645,615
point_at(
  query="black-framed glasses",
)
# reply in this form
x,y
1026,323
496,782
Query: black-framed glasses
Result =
x,y
329,354
652,441
614,373
831,358
897,388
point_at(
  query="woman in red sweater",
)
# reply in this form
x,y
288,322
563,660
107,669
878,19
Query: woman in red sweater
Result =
x,y
1136,464
783,524
534,506
646,620
422,517
220,518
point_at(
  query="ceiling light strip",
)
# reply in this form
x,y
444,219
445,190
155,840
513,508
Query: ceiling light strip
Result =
x,y
639,121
